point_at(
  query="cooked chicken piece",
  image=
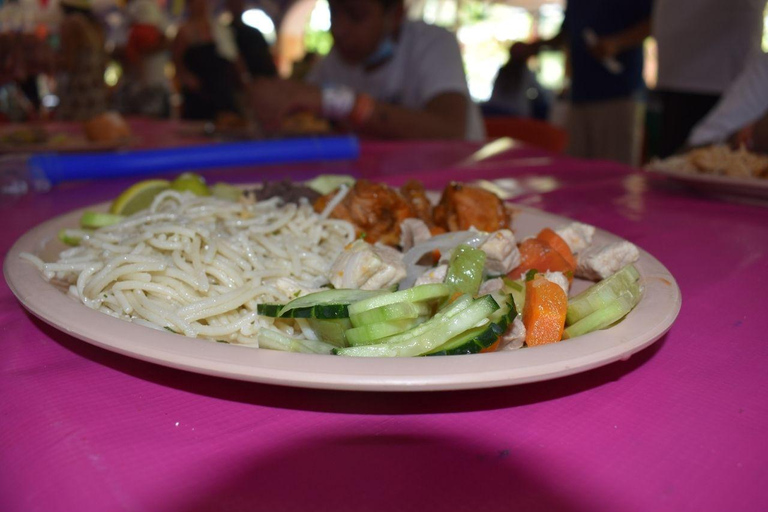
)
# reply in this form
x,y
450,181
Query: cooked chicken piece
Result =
x,y
501,251
416,196
367,267
600,262
490,286
559,279
514,338
578,236
412,232
375,209
433,275
464,206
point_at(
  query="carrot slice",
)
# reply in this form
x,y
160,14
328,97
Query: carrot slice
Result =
x,y
544,312
539,255
557,243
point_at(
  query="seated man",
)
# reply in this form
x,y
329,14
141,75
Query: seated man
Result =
x,y
385,77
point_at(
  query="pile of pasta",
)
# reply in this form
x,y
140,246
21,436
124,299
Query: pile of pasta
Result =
x,y
198,266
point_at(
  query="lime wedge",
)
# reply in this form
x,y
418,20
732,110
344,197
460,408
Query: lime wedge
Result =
x,y
138,197
191,182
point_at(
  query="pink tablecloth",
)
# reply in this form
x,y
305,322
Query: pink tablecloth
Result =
x,y
679,426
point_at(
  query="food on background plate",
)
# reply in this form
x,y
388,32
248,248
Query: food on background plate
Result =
x,y
282,273
718,160
107,127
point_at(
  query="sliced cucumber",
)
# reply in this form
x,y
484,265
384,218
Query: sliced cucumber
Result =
x,y
275,340
465,271
390,312
331,331
617,309
422,339
470,342
226,191
601,295
95,220
375,333
419,293
326,304
516,288
270,309
72,237
480,338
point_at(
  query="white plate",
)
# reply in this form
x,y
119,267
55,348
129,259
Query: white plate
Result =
x,y
644,325
756,188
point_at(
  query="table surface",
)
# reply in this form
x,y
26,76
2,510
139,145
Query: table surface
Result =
x,y
678,426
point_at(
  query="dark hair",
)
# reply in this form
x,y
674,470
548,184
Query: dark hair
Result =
x,y
389,3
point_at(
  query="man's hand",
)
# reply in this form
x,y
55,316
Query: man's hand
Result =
x,y
605,48
273,99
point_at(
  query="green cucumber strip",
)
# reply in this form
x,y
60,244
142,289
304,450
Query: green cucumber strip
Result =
x,y
397,311
72,237
331,331
274,340
465,271
601,294
431,334
419,293
375,333
95,220
270,309
479,338
606,316
331,300
226,191
517,290
470,342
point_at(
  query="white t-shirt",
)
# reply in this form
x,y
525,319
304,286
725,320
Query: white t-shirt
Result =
x,y
426,63
704,44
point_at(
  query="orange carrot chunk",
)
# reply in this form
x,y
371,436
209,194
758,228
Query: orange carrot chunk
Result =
x,y
557,243
538,255
544,312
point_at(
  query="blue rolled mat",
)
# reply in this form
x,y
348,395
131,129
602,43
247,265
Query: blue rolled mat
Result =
x,y
60,168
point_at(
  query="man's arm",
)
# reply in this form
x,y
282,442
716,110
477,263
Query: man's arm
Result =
x,y
611,45
745,101
444,116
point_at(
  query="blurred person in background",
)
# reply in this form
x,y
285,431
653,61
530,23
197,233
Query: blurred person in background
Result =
x,y
384,77
605,43
744,102
517,92
80,63
703,45
253,48
144,87
204,54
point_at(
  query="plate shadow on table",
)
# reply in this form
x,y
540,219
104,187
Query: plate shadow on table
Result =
x,y
354,402
356,472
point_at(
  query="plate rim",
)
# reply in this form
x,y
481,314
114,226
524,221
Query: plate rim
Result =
x,y
497,369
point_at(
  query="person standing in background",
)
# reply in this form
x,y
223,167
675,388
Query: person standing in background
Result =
x,y
144,88
743,103
605,43
253,48
81,63
703,45
204,54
